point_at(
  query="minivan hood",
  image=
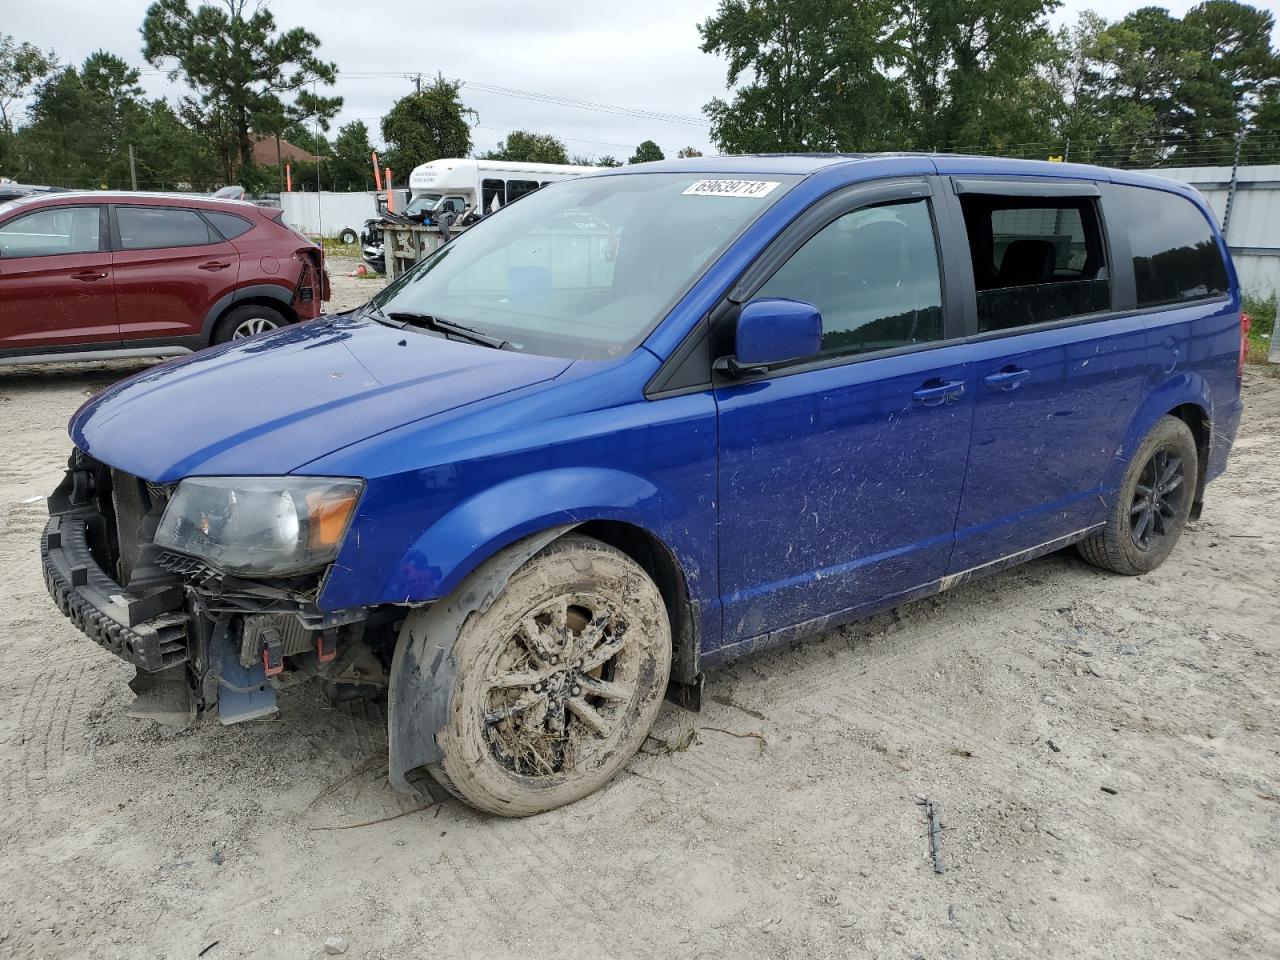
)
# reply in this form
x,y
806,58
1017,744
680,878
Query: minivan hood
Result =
x,y
269,404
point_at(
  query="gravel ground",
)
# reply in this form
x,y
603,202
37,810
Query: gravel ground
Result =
x,y
1103,749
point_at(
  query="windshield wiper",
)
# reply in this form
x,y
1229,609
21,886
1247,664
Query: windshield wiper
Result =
x,y
403,318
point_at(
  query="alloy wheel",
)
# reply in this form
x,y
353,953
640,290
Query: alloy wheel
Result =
x,y
1157,498
252,326
561,684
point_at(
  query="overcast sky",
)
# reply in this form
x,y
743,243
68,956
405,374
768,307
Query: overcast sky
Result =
x,y
641,56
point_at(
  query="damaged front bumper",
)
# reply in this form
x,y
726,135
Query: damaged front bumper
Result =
x,y
200,639
149,631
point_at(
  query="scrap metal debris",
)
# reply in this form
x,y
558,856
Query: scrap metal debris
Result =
x,y
933,813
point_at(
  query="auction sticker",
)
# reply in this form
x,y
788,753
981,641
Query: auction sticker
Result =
x,y
731,188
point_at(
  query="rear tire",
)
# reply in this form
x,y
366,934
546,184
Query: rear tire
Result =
x,y
1153,505
348,236
247,321
558,681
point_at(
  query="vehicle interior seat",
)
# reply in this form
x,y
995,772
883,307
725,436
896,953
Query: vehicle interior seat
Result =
x,y
1028,261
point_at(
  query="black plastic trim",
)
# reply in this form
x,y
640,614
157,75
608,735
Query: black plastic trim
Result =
x,y
1026,187
150,633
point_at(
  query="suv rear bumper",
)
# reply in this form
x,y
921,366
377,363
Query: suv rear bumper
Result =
x,y
148,631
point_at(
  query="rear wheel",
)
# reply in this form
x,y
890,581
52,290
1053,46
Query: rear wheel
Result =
x,y
1154,503
558,681
247,321
348,236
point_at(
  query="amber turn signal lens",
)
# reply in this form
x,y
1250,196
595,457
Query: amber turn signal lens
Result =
x,y
328,513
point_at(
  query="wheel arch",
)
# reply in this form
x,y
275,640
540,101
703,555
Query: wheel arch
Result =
x,y
1197,419
267,294
1186,396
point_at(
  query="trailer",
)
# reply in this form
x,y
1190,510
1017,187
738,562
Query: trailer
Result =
x,y
329,214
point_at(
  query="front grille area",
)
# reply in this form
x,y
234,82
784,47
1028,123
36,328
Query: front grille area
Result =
x,y
137,505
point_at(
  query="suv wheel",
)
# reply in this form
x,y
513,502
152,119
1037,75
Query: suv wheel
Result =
x,y
558,681
1154,503
247,321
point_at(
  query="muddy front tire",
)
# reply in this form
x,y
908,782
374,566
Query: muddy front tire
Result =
x,y
558,681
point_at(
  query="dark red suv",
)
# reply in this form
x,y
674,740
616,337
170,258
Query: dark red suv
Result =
x,y
99,275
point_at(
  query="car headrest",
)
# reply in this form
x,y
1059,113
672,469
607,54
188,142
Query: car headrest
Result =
x,y
1028,261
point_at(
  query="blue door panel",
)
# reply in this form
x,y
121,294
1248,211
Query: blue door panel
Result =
x,y
1050,412
837,487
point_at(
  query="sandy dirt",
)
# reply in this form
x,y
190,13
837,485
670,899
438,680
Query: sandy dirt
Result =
x,y
1103,749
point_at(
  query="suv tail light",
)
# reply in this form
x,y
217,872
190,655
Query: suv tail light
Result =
x,y
1246,322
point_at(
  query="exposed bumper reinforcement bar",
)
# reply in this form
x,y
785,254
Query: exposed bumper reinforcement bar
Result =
x,y
148,631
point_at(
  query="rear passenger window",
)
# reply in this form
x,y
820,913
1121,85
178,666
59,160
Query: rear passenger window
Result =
x,y
493,194
149,228
1035,260
1175,255
518,188
873,274
228,224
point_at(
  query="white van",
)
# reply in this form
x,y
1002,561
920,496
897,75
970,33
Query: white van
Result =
x,y
484,184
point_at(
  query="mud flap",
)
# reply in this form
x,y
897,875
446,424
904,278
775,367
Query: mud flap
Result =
x,y
164,696
423,668
243,692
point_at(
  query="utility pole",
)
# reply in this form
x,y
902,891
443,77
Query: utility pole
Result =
x,y
1231,193
133,169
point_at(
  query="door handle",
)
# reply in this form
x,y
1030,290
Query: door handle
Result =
x,y
215,265
88,275
1007,379
935,392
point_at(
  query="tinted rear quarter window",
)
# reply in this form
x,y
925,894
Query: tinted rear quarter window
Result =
x,y
150,228
228,224
1174,249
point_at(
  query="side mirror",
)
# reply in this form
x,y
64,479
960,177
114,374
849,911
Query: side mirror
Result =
x,y
772,331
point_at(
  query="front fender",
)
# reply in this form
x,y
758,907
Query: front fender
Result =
x,y
1182,387
423,668
484,523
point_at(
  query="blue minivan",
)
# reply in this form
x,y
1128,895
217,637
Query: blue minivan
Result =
x,y
642,423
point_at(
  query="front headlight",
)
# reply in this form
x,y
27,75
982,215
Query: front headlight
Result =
x,y
260,525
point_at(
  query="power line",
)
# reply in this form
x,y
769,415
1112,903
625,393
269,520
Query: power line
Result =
x,y
638,113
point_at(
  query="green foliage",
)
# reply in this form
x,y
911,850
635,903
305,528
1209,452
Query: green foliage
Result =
x,y
807,75
1262,313
83,121
351,167
427,126
647,152
528,147
988,76
608,160
685,152
242,68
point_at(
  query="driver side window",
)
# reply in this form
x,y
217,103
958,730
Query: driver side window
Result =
x,y
873,273
52,231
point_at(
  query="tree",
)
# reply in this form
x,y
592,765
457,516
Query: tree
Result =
x,y
686,152
608,160
427,125
243,69
970,68
351,168
528,147
22,66
647,152
83,122
806,75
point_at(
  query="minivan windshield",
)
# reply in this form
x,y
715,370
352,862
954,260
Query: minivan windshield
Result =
x,y
584,268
